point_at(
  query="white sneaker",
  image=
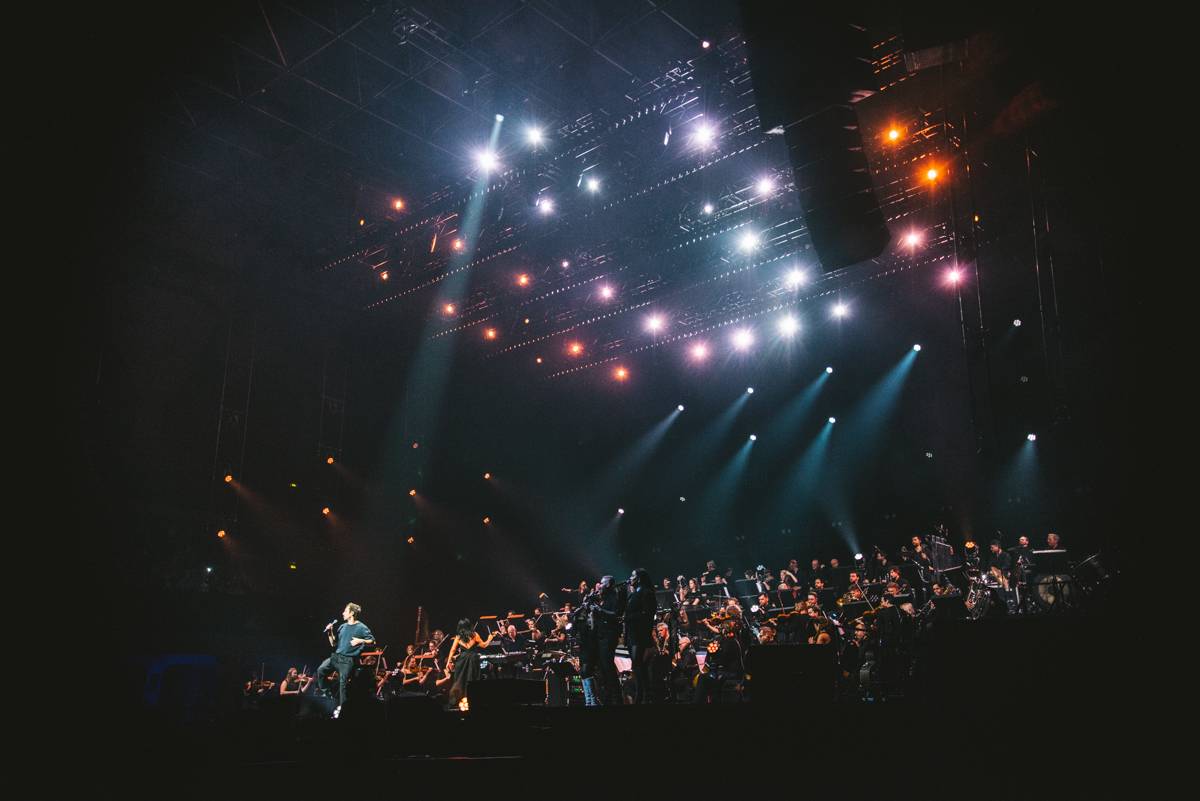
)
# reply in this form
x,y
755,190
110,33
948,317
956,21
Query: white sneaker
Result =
x,y
337,712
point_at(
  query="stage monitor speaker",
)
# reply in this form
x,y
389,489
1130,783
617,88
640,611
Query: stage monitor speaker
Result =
x,y
806,78
505,693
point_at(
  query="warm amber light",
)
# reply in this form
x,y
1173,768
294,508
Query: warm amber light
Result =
x,y
416,445
487,475
893,134
932,174
621,373
490,333
487,520
575,348
539,359
458,244
413,493
329,460
411,540
385,275
362,221
228,478
523,279
325,511
221,534
448,308
291,565
398,204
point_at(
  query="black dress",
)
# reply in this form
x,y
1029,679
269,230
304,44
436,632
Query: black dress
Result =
x,y
466,669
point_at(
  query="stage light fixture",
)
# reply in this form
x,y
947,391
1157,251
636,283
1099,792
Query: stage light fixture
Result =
x,y
705,134
526,321
325,511
221,534
208,570
708,208
361,222
383,276
538,360
788,326
620,374
754,437
679,407
457,244
1017,322
682,499
545,205
699,351
593,184
411,540
499,118
829,371
706,44
575,349
917,348
523,279
329,460
487,476
794,279
840,310
954,276
398,204
291,565
743,339
748,241
228,478
486,161
765,185
565,264
412,493
449,308
893,134
606,292
487,521
932,174
489,333
533,135
832,420
1032,437
749,390
620,511
654,323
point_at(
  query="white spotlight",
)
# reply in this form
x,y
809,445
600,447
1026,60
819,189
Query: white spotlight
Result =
x,y
486,161
917,348
593,184
705,135
606,292
749,390
912,239
765,185
840,310
743,339
682,499
754,437
679,407
208,570
832,420
654,323
748,241
499,118
699,351
565,264
534,136
545,205
706,44
1032,437
708,208
620,511
1017,322
794,279
828,370
788,326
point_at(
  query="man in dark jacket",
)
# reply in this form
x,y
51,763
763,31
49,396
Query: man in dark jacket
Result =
x,y
639,631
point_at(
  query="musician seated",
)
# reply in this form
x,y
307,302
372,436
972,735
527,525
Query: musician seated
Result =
x,y
766,634
894,577
511,642
1054,542
294,683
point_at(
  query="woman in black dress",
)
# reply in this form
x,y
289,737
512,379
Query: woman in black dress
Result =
x,y
464,655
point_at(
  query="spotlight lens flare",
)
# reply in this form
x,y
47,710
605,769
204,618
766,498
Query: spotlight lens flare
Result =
x,y
912,239
743,339
1032,437
749,390
486,161
679,407
765,185
1017,322
593,184
606,292
708,208
828,371
954,276
840,310
546,205
654,323
917,348
893,134
620,374
534,135
832,420
699,352
748,241
754,437
705,135
788,326
794,279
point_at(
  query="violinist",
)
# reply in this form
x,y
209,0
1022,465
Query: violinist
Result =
x,y
722,665
294,683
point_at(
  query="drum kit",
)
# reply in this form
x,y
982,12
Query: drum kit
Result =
x,y
1058,586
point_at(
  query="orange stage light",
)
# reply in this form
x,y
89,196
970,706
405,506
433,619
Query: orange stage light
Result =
x,y
620,373
329,460
325,511
228,478
221,534
490,333
398,204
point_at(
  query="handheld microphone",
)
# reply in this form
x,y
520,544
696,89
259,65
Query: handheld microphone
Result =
x,y
332,623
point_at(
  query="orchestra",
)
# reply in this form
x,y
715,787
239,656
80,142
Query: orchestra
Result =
x,y
687,638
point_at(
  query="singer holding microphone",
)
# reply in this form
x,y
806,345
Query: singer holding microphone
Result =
x,y
348,642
